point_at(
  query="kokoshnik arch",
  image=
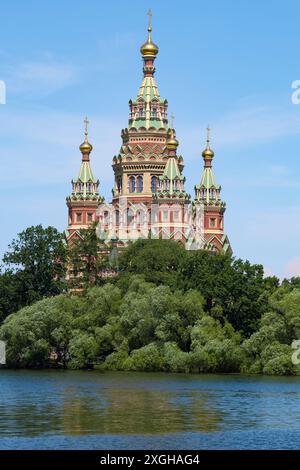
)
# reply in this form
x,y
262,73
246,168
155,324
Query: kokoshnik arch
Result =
x,y
148,198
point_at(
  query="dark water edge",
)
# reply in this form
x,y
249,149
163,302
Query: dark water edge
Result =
x,y
262,440
119,410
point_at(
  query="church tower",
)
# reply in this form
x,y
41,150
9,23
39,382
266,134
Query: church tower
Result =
x,y
171,198
84,199
149,199
143,154
207,193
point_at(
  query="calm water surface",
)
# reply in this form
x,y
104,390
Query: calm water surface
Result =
x,y
94,410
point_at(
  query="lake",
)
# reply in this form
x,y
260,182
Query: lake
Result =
x,y
119,410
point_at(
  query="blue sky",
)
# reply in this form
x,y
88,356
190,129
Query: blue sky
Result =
x,y
230,64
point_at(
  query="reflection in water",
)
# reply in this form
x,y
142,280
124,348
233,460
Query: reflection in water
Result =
x,y
136,412
61,404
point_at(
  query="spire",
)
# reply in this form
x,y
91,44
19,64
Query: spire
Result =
x,y
86,147
85,186
172,120
172,142
148,110
208,153
149,49
208,191
208,137
172,181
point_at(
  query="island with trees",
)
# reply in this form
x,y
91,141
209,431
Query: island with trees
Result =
x,y
157,308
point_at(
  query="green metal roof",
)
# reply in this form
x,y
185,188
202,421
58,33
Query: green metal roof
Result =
x,y
171,170
86,174
148,92
171,174
85,186
208,179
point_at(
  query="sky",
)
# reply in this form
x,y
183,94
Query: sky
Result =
x,y
227,64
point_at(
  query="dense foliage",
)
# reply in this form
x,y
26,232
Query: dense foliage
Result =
x,y
33,268
166,309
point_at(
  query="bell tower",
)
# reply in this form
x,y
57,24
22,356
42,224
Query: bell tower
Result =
x,y
143,154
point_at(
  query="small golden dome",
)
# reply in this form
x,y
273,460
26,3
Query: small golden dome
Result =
x,y
86,147
172,142
149,49
208,154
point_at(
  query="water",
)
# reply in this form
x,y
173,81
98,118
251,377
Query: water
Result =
x,y
94,410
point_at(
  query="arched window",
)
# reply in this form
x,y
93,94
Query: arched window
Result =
x,y
130,216
132,184
106,217
153,184
140,184
119,184
140,217
117,217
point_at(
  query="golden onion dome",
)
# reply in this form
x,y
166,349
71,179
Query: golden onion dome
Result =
x,y
172,142
86,147
149,49
208,154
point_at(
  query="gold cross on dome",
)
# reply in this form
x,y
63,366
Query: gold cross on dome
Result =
x,y
149,18
86,123
208,136
172,120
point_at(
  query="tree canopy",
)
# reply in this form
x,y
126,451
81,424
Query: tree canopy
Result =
x,y
161,309
33,268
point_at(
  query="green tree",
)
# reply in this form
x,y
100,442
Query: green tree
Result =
x,y
176,360
147,358
269,348
34,267
231,288
157,260
86,265
36,331
178,316
10,296
83,350
215,348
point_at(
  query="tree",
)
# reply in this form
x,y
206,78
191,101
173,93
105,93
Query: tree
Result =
x,y
181,312
176,360
85,263
269,349
215,348
157,260
83,350
36,331
34,268
147,358
187,325
231,288
10,296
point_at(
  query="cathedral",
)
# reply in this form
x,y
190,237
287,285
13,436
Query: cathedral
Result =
x,y
148,197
